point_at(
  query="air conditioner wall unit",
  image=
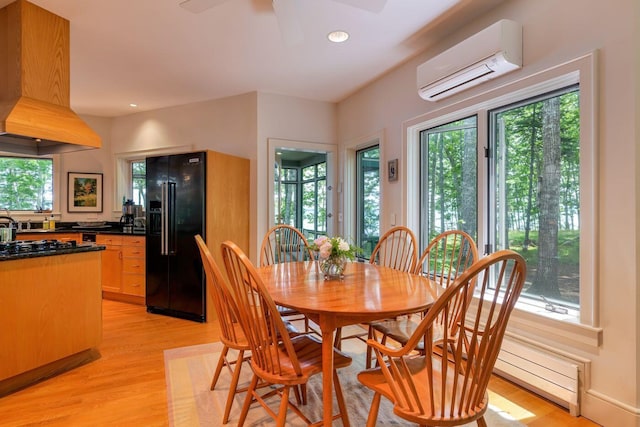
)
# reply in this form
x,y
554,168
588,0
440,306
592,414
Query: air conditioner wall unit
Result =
x,y
492,52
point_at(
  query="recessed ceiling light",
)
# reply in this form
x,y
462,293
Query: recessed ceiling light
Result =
x,y
338,36
132,105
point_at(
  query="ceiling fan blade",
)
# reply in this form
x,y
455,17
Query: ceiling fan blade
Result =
x,y
374,6
199,6
288,22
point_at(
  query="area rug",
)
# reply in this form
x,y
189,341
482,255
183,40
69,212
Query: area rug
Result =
x,y
189,371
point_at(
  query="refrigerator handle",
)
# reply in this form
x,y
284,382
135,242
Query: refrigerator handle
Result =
x,y
164,218
171,221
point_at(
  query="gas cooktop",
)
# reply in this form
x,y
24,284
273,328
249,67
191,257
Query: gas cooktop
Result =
x,y
31,246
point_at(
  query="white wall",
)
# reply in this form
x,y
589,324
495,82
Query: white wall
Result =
x,y
92,161
554,33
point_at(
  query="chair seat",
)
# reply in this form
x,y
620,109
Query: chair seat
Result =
x,y
431,415
398,330
308,350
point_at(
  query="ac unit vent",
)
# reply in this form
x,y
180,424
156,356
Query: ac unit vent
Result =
x,y
494,51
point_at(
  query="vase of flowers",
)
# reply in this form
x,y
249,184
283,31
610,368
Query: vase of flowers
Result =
x,y
333,254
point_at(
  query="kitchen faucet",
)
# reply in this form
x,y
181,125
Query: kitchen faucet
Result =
x,y
11,220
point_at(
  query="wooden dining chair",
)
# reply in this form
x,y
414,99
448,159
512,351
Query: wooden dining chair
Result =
x,y
231,333
450,389
276,358
284,243
396,249
447,256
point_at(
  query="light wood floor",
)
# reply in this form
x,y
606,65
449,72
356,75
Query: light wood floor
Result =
x,y
126,386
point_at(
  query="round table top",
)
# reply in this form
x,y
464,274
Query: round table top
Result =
x,y
367,290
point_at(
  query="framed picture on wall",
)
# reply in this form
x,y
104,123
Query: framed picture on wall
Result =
x,y
84,192
392,169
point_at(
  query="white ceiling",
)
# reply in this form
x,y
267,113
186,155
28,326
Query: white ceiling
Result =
x,y
157,54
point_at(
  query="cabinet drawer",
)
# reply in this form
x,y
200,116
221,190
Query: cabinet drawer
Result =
x,y
106,239
133,240
133,265
133,284
133,251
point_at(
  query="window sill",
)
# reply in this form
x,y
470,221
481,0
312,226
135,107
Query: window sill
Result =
x,y
563,329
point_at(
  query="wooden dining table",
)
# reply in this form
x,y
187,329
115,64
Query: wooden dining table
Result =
x,y
366,293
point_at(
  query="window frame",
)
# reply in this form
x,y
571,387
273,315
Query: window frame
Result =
x,y
348,212
584,328
359,196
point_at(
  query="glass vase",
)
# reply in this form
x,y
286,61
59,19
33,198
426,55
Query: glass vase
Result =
x,y
333,267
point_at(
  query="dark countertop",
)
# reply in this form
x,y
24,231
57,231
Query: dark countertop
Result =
x,y
82,247
72,227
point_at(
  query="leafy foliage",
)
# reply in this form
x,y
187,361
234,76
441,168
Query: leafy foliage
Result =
x,y
26,184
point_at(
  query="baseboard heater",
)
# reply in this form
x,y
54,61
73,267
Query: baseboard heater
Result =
x,y
551,375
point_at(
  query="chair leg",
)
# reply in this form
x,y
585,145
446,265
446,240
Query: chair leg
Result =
x,y
344,415
373,412
233,386
282,410
247,400
481,422
337,341
371,334
303,392
221,363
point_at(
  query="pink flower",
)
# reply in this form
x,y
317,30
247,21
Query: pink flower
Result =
x,y
320,240
325,249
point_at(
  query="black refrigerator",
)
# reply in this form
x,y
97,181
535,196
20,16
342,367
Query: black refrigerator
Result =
x,y
176,206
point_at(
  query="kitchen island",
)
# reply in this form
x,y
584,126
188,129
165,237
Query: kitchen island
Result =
x,y
52,313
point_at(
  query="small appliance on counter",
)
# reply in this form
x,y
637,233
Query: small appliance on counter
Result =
x,y
128,216
139,224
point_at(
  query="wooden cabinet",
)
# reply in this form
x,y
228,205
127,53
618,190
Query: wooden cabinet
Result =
x,y
111,262
123,267
51,316
133,266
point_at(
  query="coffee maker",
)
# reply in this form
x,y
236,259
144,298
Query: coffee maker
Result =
x,y
128,216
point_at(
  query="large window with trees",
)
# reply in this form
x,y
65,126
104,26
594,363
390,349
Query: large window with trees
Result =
x,y
535,181
26,183
448,178
368,199
530,200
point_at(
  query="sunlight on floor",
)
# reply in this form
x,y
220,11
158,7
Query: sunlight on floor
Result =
x,y
507,409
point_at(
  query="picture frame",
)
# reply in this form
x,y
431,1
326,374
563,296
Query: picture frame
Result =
x,y
392,170
84,192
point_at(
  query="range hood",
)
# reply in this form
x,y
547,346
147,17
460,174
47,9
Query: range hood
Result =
x,y
35,113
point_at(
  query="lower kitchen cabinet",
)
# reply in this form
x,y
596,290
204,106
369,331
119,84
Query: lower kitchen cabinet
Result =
x,y
123,267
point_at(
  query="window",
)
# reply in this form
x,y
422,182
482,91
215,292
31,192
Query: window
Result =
x,y
26,184
533,200
535,187
286,195
138,182
535,181
448,179
300,192
314,200
368,199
